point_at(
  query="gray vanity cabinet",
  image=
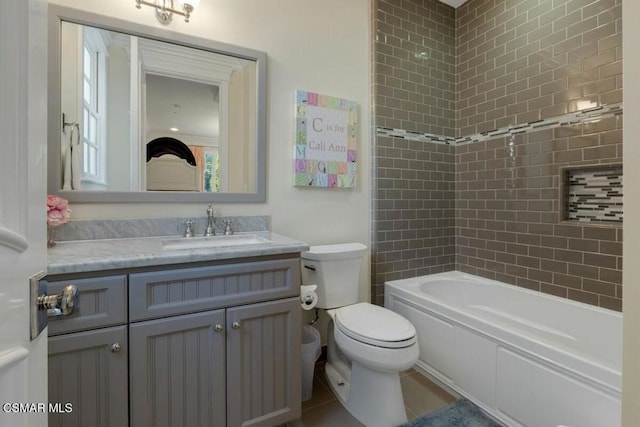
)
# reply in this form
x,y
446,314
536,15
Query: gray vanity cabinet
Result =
x,y
263,363
88,357
199,346
234,327
89,370
178,371
200,370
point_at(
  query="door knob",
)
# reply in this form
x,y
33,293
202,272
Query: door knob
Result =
x,y
61,304
218,327
115,347
235,325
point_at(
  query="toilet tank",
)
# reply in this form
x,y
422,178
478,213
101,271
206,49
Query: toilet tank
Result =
x,y
335,269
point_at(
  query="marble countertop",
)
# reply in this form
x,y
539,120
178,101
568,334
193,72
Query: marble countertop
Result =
x,y
109,254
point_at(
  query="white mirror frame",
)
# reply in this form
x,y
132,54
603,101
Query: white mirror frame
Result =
x,y
58,14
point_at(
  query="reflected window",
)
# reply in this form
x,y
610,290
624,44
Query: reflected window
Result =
x,y
211,176
93,106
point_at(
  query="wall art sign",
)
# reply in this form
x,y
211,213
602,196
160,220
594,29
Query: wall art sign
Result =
x,y
326,141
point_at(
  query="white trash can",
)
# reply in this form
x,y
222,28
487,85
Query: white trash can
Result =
x,y
310,353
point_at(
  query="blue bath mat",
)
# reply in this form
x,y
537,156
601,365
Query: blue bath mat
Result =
x,y
461,413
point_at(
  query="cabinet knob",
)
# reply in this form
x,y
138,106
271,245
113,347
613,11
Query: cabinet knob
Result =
x,y
235,325
218,327
115,347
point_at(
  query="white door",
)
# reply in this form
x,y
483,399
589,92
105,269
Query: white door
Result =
x,y
23,154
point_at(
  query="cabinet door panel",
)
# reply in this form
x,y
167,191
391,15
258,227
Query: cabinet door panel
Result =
x,y
85,372
178,371
263,353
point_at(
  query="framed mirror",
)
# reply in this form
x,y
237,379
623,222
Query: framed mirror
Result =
x,y
142,114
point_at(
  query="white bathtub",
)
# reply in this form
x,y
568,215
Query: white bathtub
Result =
x,y
527,358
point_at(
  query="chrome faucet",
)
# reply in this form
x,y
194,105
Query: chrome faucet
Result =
x,y
210,231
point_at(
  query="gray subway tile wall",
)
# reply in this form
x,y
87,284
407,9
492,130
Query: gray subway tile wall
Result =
x,y
515,62
509,213
413,182
519,61
415,199
410,92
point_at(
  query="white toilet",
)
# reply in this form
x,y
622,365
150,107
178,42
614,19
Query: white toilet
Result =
x,y
367,345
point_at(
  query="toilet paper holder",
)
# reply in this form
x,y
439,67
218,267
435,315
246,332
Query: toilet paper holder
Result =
x,y
308,296
309,300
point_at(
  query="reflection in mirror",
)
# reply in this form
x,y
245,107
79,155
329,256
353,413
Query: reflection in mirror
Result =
x,y
140,114
196,98
189,111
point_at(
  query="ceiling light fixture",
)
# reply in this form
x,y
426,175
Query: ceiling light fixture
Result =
x,y
166,8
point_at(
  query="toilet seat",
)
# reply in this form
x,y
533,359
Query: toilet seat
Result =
x,y
375,325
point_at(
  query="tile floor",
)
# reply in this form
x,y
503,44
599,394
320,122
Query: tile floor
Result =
x,y
323,409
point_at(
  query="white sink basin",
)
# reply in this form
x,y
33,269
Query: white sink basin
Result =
x,y
214,242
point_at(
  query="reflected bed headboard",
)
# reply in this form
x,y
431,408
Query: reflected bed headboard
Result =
x,y
171,166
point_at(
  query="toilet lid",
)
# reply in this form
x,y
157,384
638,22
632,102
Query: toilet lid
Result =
x,y
375,325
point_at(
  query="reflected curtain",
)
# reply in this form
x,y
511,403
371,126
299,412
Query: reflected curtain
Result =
x,y
198,153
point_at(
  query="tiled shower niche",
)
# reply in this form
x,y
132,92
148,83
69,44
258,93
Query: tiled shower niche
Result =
x,y
593,194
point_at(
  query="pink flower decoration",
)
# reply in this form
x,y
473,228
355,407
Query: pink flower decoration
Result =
x,y
58,211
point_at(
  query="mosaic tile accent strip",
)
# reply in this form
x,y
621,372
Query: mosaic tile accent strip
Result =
x,y
582,116
416,136
595,195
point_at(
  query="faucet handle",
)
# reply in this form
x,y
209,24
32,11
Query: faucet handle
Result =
x,y
227,226
188,232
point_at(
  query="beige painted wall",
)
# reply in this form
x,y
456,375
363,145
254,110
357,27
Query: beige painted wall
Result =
x,y
631,246
316,46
